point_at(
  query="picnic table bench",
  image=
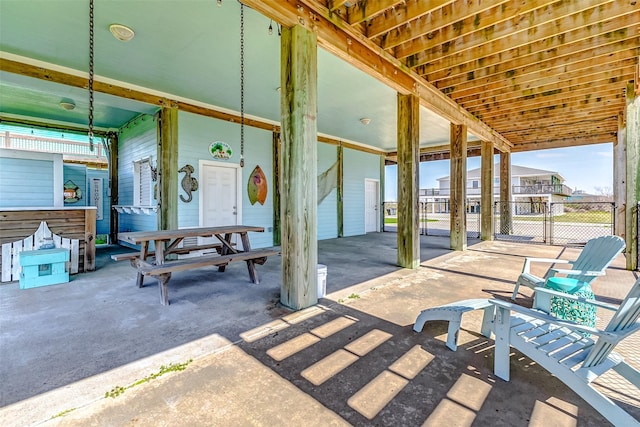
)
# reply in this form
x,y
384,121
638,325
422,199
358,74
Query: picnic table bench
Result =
x,y
167,242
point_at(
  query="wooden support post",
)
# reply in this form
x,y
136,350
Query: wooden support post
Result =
x,y
340,190
90,240
299,192
620,178
276,188
486,191
458,197
505,193
633,169
168,168
114,226
408,180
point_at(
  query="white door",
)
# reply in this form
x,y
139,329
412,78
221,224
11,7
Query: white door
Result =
x,y
371,202
219,195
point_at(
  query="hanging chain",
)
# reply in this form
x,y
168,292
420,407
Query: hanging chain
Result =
x,y
91,75
241,85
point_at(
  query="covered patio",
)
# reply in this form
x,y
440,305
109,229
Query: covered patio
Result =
x,y
351,359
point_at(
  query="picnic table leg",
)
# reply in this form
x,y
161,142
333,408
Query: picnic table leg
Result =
x,y
163,280
144,250
225,250
251,266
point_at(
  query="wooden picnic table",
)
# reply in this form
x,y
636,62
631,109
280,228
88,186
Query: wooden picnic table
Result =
x,y
167,242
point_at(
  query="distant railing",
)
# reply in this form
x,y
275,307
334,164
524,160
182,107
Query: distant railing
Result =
x,y
52,145
542,189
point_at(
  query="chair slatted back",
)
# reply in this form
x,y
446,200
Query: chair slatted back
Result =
x,y
625,317
597,255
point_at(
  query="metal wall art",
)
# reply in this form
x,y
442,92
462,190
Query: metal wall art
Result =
x,y
189,183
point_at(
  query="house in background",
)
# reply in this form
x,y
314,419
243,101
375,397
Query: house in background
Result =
x,y
531,190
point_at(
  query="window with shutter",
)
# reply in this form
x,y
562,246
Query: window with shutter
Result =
x,y
142,183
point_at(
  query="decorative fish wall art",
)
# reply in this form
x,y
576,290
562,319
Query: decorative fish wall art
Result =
x,y
257,186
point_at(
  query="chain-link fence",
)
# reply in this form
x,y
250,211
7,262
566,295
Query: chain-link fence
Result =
x,y
521,221
576,223
560,223
435,218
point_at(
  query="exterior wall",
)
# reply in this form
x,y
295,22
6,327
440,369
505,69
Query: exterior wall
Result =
x,y
102,226
30,179
137,140
78,175
358,165
195,134
328,209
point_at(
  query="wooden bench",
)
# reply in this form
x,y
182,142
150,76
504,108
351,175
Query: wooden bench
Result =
x,y
163,271
132,256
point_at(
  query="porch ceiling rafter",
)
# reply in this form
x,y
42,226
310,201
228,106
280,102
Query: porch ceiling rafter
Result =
x,y
346,42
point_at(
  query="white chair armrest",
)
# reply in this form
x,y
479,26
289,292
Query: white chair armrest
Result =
x,y
526,268
551,292
548,318
577,272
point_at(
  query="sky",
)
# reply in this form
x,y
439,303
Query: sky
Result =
x,y
588,168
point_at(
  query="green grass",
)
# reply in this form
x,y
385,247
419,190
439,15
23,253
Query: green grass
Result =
x,y
591,217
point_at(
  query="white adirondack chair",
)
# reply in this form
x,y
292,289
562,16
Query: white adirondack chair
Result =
x,y
561,347
592,262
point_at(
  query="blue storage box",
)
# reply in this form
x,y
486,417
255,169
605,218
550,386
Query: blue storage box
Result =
x,y
43,267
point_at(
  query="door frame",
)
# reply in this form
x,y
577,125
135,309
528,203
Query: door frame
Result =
x,y
236,166
377,197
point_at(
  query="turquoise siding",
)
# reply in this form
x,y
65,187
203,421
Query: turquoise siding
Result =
x,y
26,183
195,134
328,209
102,226
357,167
78,175
136,141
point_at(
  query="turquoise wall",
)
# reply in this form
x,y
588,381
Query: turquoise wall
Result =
x,y
358,166
26,183
77,174
136,141
195,134
102,226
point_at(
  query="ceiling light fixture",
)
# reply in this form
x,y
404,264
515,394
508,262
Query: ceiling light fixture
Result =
x,y
365,121
67,104
219,3
121,32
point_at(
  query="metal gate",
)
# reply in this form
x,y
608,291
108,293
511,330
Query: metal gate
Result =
x,y
559,223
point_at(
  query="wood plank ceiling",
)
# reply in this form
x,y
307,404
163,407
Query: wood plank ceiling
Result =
x,y
541,73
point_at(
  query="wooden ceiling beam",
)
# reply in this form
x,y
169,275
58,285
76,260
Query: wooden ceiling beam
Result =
x,y
399,16
555,19
585,95
334,5
558,89
562,143
438,59
335,36
363,11
591,73
514,59
555,119
439,23
530,78
485,24
601,55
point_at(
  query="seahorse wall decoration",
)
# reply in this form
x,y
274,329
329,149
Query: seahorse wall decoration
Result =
x,y
189,183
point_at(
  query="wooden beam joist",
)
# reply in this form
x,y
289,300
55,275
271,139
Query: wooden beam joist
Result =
x,y
398,16
440,59
439,22
363,11
562,143
340,39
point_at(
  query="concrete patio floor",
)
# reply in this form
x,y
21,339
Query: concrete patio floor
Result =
x,y
353,359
